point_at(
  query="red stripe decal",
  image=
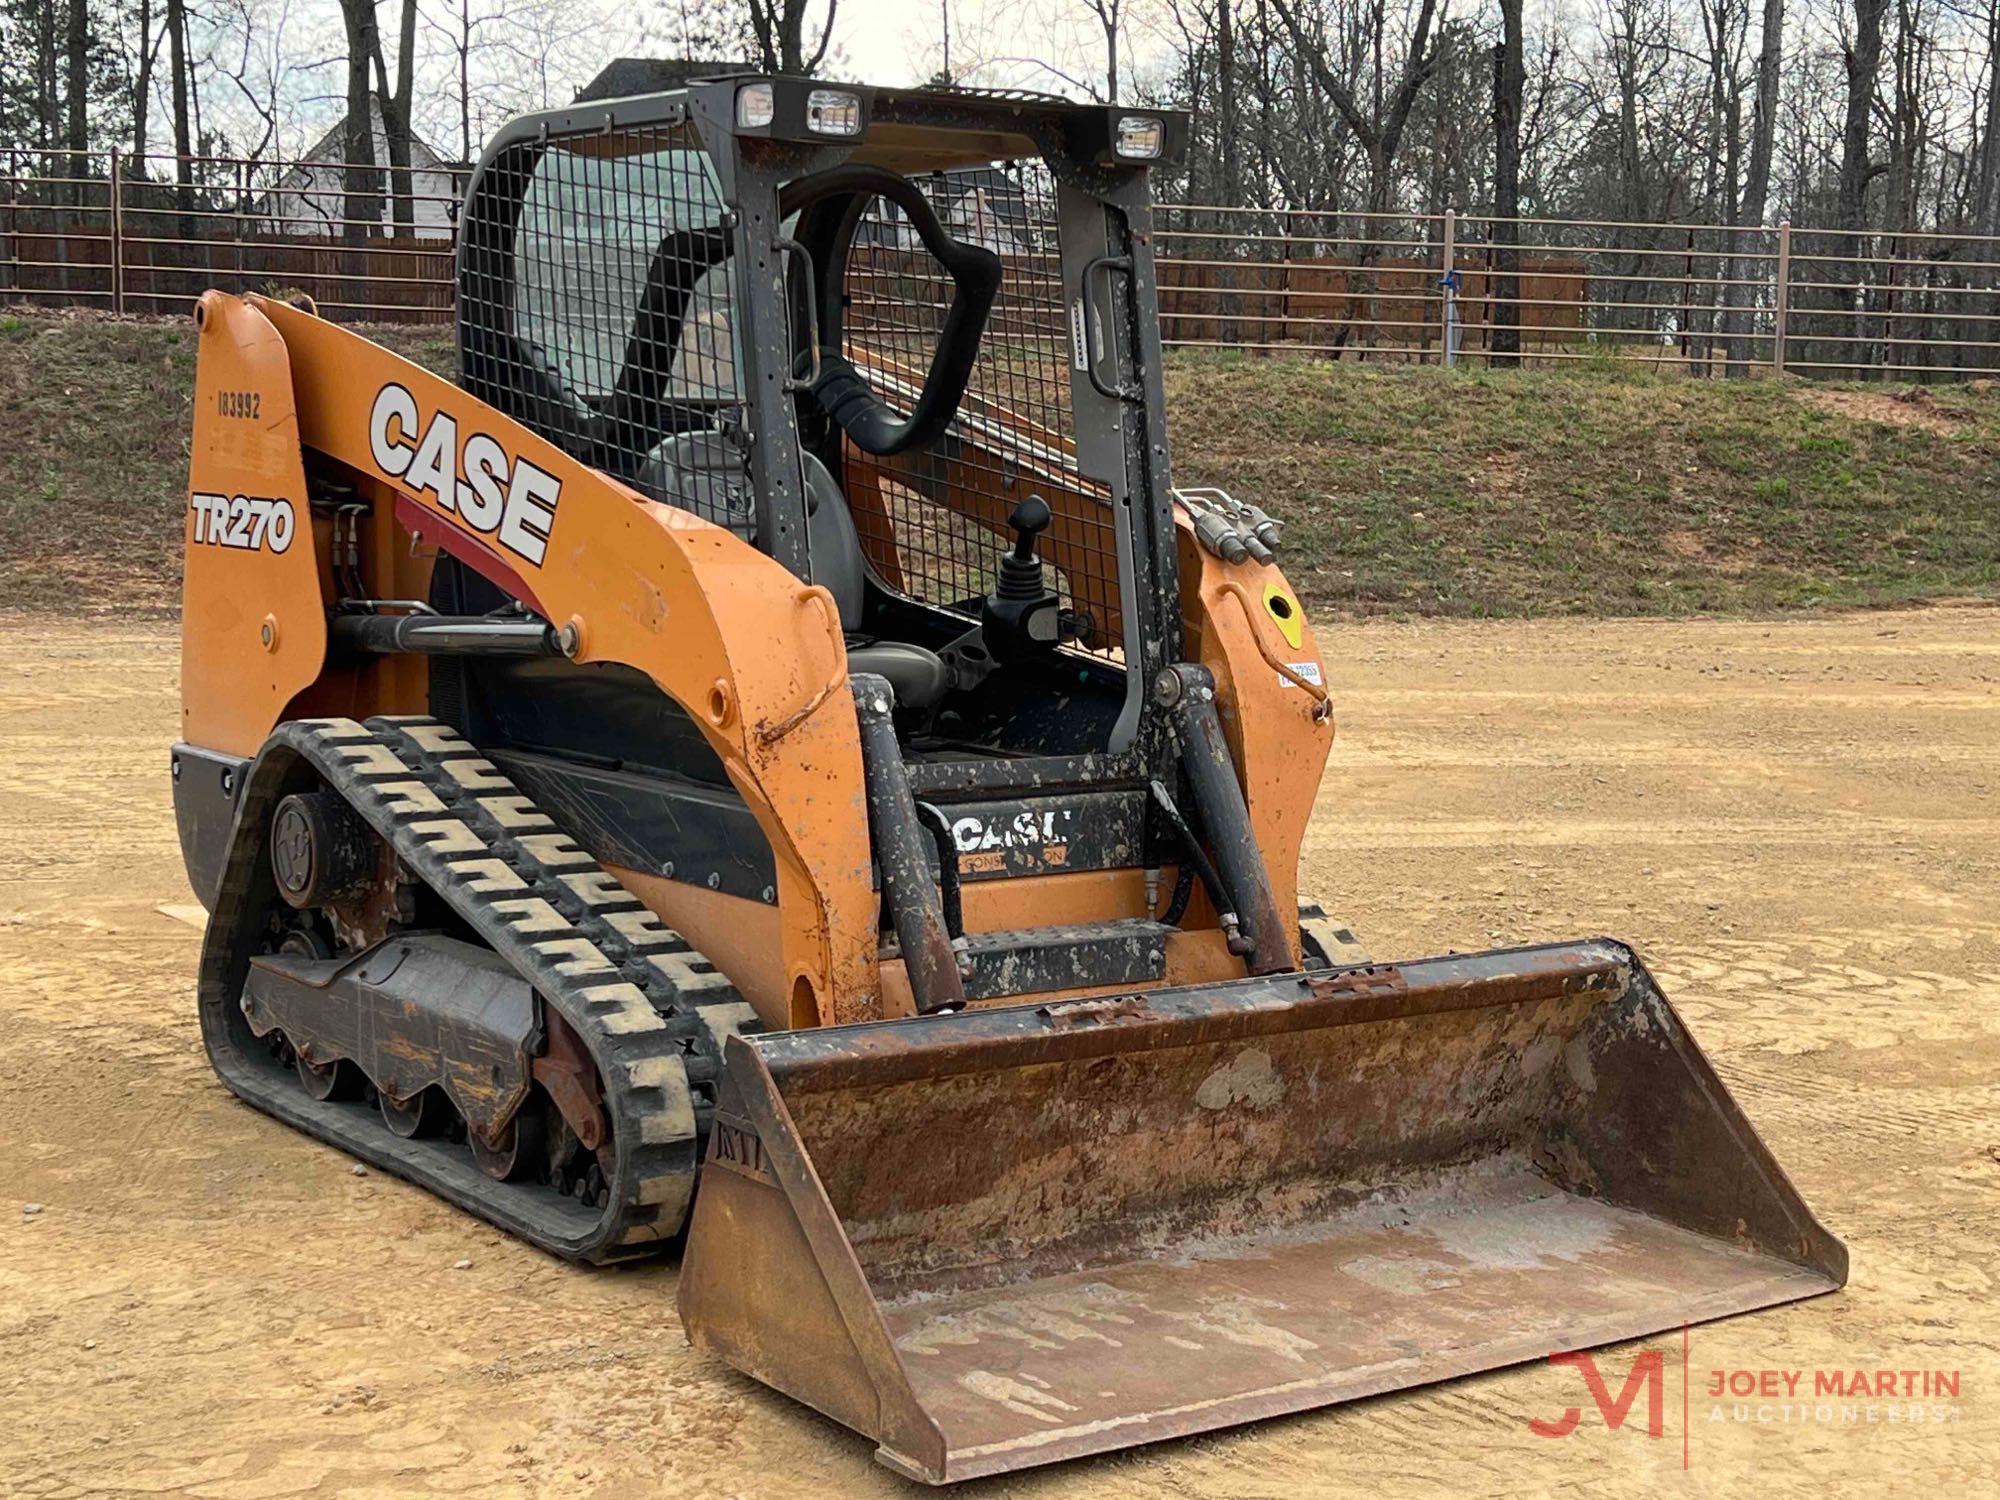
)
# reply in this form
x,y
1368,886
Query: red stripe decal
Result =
x,y
428,526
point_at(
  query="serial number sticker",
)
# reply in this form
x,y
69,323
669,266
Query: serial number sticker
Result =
x,y
1309,670
250,523
244,404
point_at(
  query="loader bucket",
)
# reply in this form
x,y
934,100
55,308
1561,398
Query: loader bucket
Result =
x,y
1006,1237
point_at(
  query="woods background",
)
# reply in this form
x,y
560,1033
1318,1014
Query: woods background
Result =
x,y
1332,139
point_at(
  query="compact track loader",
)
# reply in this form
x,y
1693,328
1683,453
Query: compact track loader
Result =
x,y
772,711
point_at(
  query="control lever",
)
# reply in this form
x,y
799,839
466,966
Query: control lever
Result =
x,y
1022,616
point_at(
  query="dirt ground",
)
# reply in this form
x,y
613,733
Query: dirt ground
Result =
x,y
1797,823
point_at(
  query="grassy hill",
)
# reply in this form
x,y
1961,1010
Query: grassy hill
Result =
x,y
1598,489
94,424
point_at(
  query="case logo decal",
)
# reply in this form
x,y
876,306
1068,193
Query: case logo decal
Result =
x,y
250,523
1042,838
507,498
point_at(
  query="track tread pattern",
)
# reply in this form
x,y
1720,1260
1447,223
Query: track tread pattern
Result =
x,y
651,1011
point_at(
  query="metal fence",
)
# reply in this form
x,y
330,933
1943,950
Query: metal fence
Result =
x,y
1704,298
119,233
103,230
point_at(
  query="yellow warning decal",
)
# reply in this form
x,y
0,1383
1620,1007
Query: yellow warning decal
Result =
x,y
1284,609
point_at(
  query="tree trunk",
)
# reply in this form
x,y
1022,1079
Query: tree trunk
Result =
x,y
396,116
48,128
177,62
142,87
77,87
1899,209
361,186
1107,18
1510,79
48,96
1368,260
1863,62
1986,195
791,37
1756,184
1228,131
465,80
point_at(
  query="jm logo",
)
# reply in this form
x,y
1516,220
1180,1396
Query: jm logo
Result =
x,y
1648,1373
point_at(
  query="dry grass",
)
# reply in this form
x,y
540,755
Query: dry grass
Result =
x,y
1599,490
1586,490
93,466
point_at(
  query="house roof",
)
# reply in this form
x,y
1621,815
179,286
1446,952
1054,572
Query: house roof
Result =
x,y
623,77
333,145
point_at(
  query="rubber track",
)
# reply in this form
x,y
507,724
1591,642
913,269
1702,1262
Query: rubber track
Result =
x,y
652,1012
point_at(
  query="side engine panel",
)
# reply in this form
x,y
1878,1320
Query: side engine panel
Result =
x,y
253,619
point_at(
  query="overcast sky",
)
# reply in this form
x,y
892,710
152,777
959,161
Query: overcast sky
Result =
x,y
898,41
285,58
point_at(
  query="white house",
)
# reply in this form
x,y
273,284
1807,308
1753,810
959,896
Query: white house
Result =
x,y
309,197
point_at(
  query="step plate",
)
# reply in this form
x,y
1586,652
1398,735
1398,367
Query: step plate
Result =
x,y
1086,955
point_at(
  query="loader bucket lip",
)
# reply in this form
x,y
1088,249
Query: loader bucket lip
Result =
x,y
872,1052
1525,1264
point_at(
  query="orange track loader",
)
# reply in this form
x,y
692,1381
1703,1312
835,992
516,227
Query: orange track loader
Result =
x,y
772,717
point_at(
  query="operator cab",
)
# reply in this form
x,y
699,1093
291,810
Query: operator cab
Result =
x,y
885,337
1020,618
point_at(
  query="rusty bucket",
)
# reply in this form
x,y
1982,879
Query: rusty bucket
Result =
x,y
1011,1236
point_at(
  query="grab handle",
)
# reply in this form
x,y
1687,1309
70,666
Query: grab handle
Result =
x,y
788,248
1091,353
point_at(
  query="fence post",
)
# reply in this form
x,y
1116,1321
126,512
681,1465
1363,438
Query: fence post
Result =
x,y
13,231
1447,281
242,224
117,233
1783,301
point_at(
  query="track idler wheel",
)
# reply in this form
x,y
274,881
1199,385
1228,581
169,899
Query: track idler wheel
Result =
x,y
322,852
328,1080
519,1151
423,1115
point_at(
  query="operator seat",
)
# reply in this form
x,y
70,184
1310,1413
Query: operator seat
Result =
x,y
704,472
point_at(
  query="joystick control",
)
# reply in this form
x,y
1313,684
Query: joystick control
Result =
x,y
1022,615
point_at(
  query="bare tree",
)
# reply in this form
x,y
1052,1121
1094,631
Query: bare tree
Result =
x,y
1510,81
1378,115
1756,193
1375,114
361,185
1110,19
395,107
779,27
258,67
